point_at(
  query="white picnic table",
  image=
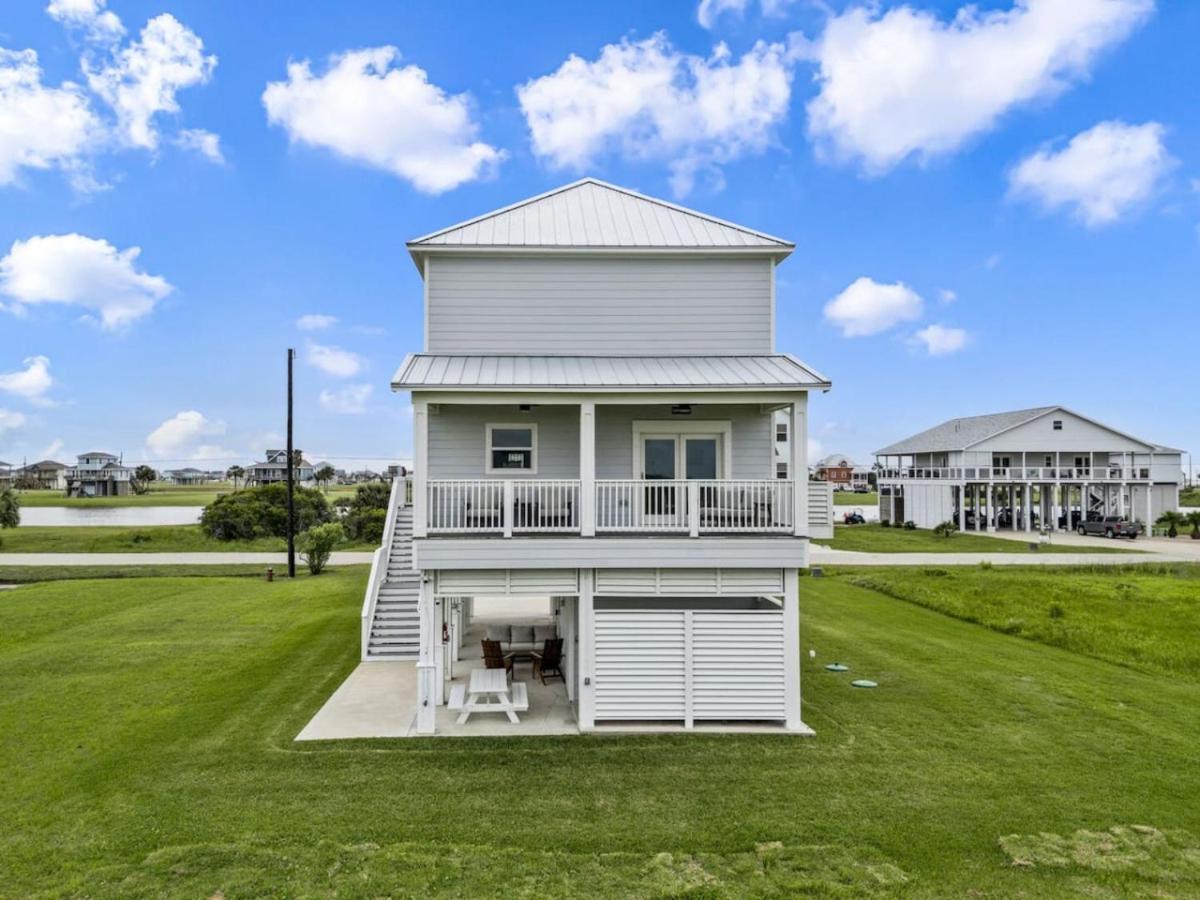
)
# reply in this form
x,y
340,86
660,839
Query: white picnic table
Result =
x,y
489,691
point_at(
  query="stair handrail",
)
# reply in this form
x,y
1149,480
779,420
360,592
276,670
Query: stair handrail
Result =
x,y
379,561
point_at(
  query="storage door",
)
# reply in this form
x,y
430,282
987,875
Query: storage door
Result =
x,y
640,665
737,665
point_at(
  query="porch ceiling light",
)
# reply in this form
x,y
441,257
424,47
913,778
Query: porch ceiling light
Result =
x,y
681,409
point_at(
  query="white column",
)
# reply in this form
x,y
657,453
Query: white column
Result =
x,y
1121,499
439,649
1149,507
962,507
791,648
798,464
586,652
420,466
427,670
991,505
587,468
1027,506
569,619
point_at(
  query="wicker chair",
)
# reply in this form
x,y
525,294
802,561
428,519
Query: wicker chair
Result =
x,y
496,658
550,661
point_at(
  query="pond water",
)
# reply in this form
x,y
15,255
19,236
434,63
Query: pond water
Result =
x,y
121,515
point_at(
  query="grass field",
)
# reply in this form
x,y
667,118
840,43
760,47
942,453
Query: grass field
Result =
x,y
159,495
124,539
874,538
848,498
1189,497
147,752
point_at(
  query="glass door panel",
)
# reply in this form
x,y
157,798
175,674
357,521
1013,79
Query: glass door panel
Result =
x,y
659,464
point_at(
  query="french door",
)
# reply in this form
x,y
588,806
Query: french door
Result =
x,y
671,458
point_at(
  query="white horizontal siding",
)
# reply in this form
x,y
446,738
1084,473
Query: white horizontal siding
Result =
x,y
608,305
610,552
640,665
738,665
457,439
689,582
481,582
753,448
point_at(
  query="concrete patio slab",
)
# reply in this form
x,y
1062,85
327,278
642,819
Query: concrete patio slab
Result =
x,y
377,700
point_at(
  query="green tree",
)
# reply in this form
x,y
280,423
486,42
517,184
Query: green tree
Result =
x,y
1172,520
316,545
1193,519
262,512
234,473
142,476
324,475
10,509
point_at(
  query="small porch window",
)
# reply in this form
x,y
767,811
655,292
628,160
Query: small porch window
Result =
x,y
511,448
781,431
781,470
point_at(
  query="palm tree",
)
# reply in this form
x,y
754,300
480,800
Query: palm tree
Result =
x,y
1193,519
234,473
1172,520
324,475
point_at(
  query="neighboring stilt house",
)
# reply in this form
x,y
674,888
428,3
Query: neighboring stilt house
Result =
x,y
1023,470
594,420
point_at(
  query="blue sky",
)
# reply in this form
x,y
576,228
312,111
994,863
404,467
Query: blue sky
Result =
x,y
992,211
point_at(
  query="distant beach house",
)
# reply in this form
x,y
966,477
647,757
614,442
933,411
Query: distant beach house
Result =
x,y
843,473
273,469
98,474
46,475
1024,469
187,475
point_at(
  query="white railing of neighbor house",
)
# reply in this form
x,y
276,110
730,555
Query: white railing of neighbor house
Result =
x,y
471,506
399,497
1018,473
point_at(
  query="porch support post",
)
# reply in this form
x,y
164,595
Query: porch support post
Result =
x,y
587,468
791,648
587,650
1149,507
427,670
420,466
798,464
962,507
1027,506
991,505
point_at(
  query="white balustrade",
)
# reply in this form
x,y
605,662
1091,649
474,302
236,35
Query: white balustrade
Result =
x,y
493,506
637,506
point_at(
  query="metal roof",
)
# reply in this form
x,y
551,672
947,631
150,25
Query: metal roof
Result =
x,y
600,373
593,214
961,434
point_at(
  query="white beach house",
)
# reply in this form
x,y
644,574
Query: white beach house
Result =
x,y
594,424
1023,470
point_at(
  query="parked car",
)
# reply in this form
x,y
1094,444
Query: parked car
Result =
x,y
1075,519
1110,527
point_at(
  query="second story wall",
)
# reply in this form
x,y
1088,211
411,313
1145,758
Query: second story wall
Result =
x,y
599,305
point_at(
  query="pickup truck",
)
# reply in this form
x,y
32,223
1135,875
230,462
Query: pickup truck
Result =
x,y
1110,527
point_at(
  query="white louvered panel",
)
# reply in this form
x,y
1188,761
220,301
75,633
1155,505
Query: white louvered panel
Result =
x,y
641,665
472,582
752,581
688,581
738,665
626,581
544,581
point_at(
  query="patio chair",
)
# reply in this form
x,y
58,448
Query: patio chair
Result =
x,y
495,658
725,506
486,511
550,661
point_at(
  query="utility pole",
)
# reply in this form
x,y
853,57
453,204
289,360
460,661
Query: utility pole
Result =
x,y
291,481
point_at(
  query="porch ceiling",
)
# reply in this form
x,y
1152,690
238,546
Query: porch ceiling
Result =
x,y
488,372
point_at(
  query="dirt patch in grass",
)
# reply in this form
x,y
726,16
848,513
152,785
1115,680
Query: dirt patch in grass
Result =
x,y
1170,855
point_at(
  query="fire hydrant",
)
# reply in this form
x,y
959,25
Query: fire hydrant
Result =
x,y
270,573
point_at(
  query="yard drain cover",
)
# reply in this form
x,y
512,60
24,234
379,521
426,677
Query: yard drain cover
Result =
x,y
837,667
862,682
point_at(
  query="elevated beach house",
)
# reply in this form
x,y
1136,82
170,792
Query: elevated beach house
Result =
x,y
593,419
273,470
1025,470
98,474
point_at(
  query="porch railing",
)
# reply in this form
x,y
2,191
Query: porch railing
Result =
x,y
1018,473
622,506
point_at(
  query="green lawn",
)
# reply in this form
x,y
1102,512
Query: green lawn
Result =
x,y
158,495
849,498
1189,497
874,538
147,752
124,539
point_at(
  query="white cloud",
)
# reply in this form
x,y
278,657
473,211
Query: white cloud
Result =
x,y
350,400
815,449
904,83
867,307
646,100
940,340
52,449
369,110
90,16
203,142
83,271
709,10
141,80
32,382
334,360
182,437
947,296
1101,174
41,127
10,421
315,322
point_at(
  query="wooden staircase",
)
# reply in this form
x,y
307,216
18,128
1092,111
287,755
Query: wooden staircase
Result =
x,y
395,626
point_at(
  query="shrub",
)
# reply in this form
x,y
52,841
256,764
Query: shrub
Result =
x,y
317,543
945,529
366,513
262,512
910,525
10,509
